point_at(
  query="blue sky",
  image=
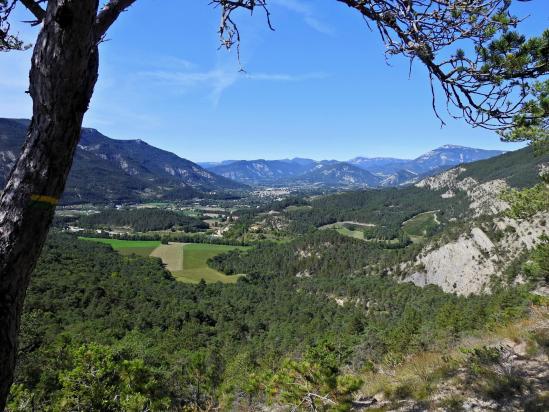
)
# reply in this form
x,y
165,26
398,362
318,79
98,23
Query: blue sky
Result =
x,y
317,87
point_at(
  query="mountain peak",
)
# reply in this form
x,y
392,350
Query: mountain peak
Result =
x,y
453,146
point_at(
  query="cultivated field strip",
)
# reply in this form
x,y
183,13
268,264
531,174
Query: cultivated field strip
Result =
x,y
171,254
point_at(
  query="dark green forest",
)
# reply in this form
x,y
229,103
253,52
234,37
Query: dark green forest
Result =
x,y
323,252
142,220
102,331
386,209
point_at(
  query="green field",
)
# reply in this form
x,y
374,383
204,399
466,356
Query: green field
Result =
x,y
140,251
128,247
156,205
356,231
195,267
418,227
421,224
187,262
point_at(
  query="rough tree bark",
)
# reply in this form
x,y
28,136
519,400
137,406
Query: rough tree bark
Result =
x,y
62,77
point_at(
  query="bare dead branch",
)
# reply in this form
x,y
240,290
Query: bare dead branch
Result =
x,y
228,30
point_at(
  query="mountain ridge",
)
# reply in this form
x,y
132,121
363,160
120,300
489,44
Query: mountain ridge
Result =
x,y
338,174
111,170
387,171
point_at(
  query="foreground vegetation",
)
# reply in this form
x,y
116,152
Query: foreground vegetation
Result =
x,y
103,331
501,369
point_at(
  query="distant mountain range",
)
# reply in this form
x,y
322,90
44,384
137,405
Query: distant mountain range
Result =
x,y
357,172
261,171
109,170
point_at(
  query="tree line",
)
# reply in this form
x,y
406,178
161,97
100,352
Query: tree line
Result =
x,y
142,220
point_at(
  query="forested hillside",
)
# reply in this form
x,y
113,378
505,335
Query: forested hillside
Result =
x,y
519,168
327,300
134,280
103,331
320,253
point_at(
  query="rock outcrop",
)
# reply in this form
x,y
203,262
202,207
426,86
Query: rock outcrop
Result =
x,y
466,265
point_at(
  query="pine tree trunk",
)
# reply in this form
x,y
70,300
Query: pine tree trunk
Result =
x,y
62,78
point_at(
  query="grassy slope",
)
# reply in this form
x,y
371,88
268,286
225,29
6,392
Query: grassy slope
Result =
x,y
510,377
357,234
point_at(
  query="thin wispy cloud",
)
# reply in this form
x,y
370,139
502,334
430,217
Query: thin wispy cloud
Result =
x,y
218,80
306,10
